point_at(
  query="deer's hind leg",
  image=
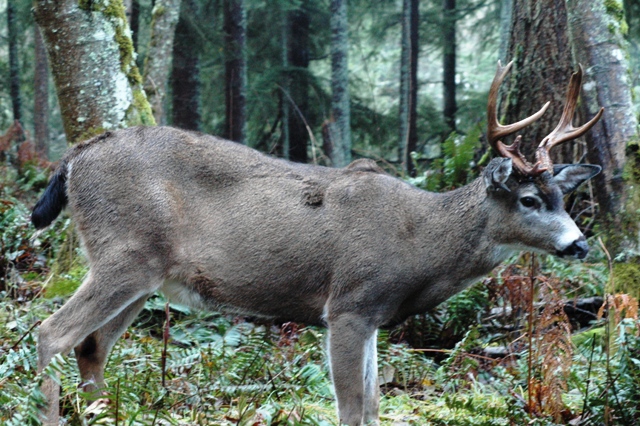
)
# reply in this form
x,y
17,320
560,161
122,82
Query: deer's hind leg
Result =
x,y
92,353
108,298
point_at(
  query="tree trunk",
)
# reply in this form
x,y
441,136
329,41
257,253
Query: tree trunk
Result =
x,y
298,56
14,65
340,108
412,140
405,62
539,47
506,12
134,22
409,84
597,41
284,81
158,62
41,96
235,28
185,76
92,60
449,63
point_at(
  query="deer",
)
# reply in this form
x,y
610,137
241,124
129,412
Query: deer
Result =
x,y
214,224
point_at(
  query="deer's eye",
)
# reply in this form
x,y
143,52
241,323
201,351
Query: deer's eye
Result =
x,y
528,202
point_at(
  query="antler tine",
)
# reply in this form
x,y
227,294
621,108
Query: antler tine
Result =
x,y
496,131
565,131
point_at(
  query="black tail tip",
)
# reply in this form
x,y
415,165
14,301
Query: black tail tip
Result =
x,y
52,201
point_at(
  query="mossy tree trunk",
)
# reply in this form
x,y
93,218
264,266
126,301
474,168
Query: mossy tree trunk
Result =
x,y
157,64
596,30
539,47
92,61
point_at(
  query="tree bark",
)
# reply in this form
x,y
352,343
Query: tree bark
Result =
x,y
92,60
539,47
598,43
506,12
158,61
134,22
405,61
340,108
412,140
449,63
298,58
409,84
185,76
14,64
284,143
235,28
41,96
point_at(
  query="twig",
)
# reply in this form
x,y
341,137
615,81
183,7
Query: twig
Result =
x,y
586,390
314,142
607,329
273,385
155,415
117,400
165,339
35,324
530,332
448,351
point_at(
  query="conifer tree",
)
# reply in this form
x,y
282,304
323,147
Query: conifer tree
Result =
x,y
235,28
340,108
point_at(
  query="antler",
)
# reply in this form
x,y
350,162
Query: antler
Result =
x,y
496,131
565,131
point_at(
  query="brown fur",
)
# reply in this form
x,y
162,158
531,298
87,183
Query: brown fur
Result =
x,y
220,225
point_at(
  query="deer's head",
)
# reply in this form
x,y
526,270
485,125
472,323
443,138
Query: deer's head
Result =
x,y
530,196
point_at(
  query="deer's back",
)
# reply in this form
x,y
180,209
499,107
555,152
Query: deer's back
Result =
x,y
239,228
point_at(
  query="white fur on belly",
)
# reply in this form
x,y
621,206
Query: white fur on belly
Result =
x,y
178,293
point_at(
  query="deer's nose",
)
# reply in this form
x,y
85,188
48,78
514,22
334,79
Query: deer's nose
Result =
x,y
578,249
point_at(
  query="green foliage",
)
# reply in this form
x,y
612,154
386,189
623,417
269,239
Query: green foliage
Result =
x,y
454,169
586,278
66,283
464,309
17,242
610,383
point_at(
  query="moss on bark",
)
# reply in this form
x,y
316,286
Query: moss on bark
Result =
x,y
93,64
627,277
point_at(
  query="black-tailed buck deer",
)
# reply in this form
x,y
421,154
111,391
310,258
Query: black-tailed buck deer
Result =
x,y
214,224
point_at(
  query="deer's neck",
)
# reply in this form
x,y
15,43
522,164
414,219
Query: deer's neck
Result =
x,y
456,240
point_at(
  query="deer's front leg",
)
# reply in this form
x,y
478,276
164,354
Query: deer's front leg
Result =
x,y
348,338
371,385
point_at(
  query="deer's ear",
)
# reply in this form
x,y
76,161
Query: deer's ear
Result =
x,y
570,176
497,173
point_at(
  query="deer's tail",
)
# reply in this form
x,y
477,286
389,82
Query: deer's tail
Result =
x,y
53,200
